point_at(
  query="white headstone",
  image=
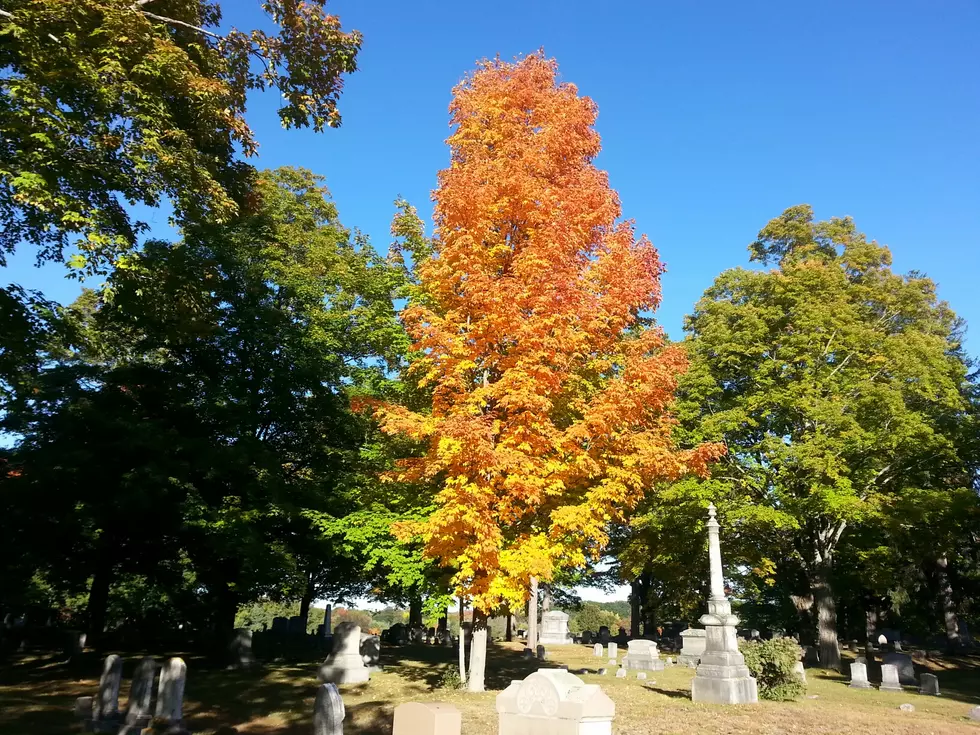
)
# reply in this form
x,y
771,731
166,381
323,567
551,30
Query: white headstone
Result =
x,y
170,693
929,684
974,714
597,650
889,678
613,649
800,671
902,662
345,665
554,701
692,647
554,628
641,675
643,655
107,701
907,707
328,710
621,673
859,676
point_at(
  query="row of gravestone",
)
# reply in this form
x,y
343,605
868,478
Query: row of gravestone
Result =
x,y
156,693
547,701
893,676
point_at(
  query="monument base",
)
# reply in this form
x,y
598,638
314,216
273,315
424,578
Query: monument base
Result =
x,y
347,669
735,690
722,676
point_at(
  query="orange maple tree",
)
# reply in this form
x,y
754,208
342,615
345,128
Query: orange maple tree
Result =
x,y
550,390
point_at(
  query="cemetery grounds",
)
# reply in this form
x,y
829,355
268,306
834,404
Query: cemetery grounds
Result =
x,y
37,693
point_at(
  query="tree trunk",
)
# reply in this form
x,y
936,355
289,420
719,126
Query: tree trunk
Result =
x,y
307,600
462,643
823,598
532,615
98,602
950,620
635,609
510,627
478,652
415,611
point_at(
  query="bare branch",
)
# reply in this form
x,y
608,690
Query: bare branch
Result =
x,y
5,14
181,23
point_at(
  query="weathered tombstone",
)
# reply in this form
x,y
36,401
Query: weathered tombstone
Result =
x,y
83,708
613,649
597,650
74,644
280,625
345,665
641,675
141,694
587,637
974,714
907,707
693,647
398,636
903,662
929,684
603,634
241,649
370,649
555,702
170,694
429,718
328,710
296,625
859,676
643,655
889,678
800,671
622,637
541,653
621,673
811,657
722,676
528,653
107,700
554,628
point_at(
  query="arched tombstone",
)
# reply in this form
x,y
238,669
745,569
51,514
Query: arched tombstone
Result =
x,y
170,694
554,701
345,664
141,694
328,710
107,701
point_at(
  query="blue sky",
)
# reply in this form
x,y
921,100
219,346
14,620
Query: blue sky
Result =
x,y
715,116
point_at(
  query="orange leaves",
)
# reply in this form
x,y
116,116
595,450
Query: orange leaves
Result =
x,y
550,413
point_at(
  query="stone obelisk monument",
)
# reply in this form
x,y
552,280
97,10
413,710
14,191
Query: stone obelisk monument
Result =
x,y
722,677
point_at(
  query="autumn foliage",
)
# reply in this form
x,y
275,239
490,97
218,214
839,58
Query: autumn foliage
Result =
x,y
551,393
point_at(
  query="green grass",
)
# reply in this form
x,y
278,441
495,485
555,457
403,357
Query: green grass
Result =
x,y
37,694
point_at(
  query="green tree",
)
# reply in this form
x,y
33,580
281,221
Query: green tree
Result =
x,y
829,378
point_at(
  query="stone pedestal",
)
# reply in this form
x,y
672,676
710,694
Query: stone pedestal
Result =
x,y
554,628
554,702
345,664
722,676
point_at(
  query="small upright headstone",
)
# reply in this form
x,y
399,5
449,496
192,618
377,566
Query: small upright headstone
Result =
x,y
597,650
587,637
528,653
859,676
800,671
241,649
75,643
641,675
328,711
974,714
280,625
929,684
621,673
613,649
541,652
889,678
296,625
603,634
692,648
882,640
141,694
903,662
428,718
170,696
907,707
107,701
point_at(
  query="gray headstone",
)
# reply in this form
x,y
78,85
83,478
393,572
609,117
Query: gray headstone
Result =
x,y
621,674
929,684
597,650
541,653
107,701
859,676
641,675
907,707
903,662
141,693
170,696
889,678
328,711
296,625
974,714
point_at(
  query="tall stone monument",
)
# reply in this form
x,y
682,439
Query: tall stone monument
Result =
x,y
722,676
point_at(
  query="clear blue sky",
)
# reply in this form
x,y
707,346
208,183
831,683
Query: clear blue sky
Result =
x,y
715,116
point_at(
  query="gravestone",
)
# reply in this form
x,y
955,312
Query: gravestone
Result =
x,y
621,636
328,710
528,653
613,649
903,662
800,671
889,678
541,653
859,676
241,649
141,694
811,657
345,665
74,644
907,707
643,655
641,675
929,684
882,640
170,695
370,649
597,650
554,702
692,648
554,628
107,700
620,673
603,634
603,671
587,637
280,625
429,718
296,625
974,714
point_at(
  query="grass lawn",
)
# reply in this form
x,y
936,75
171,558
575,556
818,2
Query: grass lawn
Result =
x,y
37,694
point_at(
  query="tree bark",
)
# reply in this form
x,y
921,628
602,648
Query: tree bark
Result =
x,y
307,600
823,598
950,620
462,643
98,602
478,652
635,609
415,611
510,627
532,615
